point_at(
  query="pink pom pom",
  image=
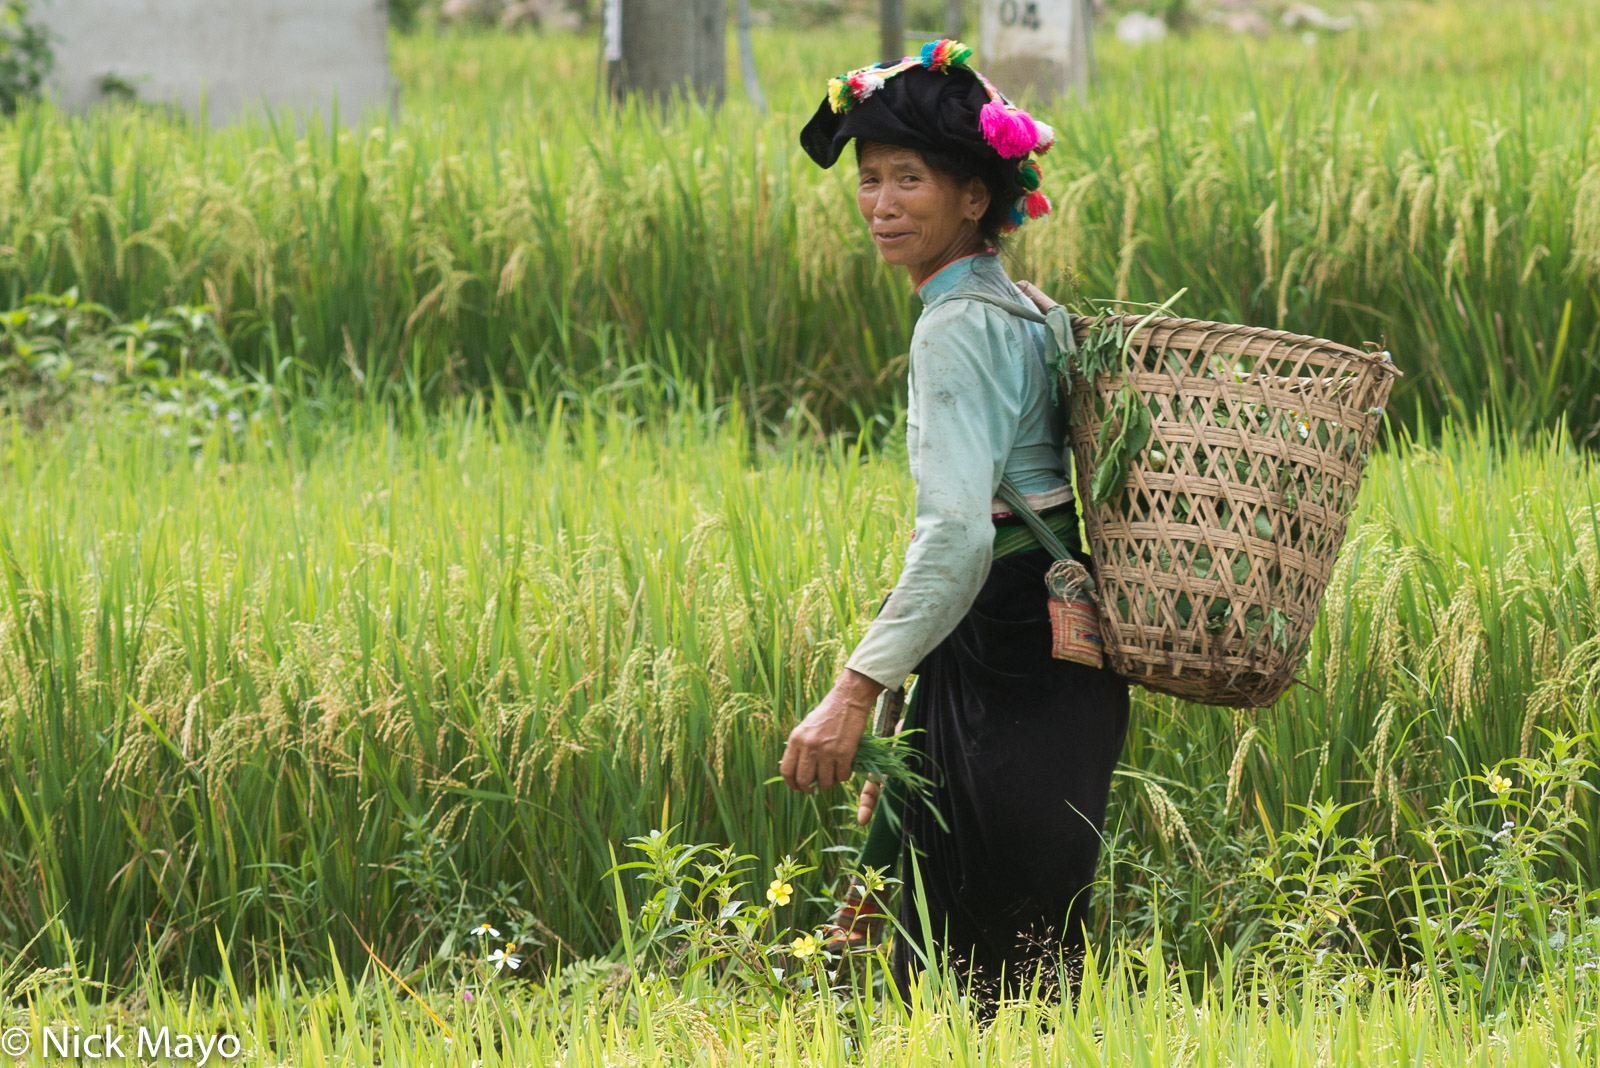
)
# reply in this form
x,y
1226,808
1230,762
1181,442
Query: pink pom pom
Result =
x,y
1009,131
1036,204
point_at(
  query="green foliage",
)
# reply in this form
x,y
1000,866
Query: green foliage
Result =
x,y
503,233
26,57
270,649
61,355
1134,1010
1490,899
406,15
694,924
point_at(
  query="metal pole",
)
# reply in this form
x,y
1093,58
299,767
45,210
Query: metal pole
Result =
x,y
892,29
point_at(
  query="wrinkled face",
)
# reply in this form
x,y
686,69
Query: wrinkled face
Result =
x,y
919,218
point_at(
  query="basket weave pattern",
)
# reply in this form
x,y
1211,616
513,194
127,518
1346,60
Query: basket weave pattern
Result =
x,y
1213,559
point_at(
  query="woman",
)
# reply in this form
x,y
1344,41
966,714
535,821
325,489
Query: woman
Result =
x,y
1021,745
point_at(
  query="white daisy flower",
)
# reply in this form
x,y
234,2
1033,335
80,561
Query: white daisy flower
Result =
x,y
501,959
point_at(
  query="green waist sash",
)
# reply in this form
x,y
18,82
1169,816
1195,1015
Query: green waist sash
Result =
x,y
1018,538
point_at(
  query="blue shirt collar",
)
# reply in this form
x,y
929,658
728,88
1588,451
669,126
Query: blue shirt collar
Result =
x,y
957,272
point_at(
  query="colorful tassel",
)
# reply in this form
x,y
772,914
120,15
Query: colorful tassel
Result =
x,y
1047,138
1019,212
864,83
839,94
1036,204
942,55
1030,175
1009,131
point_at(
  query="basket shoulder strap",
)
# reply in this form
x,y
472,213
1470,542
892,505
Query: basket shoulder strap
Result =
x,y
1057,321
1019,505
1024,311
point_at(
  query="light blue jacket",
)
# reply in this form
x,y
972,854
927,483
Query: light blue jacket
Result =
x,y
979,407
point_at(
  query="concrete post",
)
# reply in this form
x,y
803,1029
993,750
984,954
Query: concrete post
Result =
x,y
955,19
892,30
747,58
1040,49
664,48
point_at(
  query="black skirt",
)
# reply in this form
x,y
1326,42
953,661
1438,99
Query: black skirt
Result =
x,y
1021,747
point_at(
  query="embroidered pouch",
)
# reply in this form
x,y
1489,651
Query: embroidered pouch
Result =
x,y
1074,619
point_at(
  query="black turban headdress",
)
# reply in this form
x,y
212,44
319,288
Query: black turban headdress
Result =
x,y
932,102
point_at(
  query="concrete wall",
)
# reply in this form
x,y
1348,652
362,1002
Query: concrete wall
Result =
x,y
237,53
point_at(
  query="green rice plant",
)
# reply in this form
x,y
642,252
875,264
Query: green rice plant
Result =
x,y
1459,625
26,56
1429,183
245,678
481,624
1131,1011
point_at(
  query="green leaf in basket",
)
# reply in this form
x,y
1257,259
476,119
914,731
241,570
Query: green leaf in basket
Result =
x,y
1252,622
1101,347
1240,569
1281,625
1109,476
1102,442
1263,526
1136,417
1183,609
1115,453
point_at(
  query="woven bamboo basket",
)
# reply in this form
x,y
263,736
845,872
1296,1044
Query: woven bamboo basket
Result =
x,y
1212,560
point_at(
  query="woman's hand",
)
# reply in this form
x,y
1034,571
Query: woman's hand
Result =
x,y
868,802
870,790
1040,301
822,748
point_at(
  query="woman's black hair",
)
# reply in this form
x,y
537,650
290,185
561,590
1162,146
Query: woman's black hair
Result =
x,y
999,176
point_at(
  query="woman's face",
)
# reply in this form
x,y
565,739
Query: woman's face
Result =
x,y
920,219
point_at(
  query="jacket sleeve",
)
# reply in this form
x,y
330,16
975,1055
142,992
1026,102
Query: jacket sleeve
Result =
x,y
967,406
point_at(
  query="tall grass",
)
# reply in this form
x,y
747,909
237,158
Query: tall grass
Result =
x,y
325,670
1432,183
1134,1017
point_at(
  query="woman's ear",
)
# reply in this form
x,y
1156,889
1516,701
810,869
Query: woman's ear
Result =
x,y
977,198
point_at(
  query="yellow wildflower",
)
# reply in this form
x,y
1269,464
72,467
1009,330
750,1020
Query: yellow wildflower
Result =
x,y
779,892
1499,784
803,946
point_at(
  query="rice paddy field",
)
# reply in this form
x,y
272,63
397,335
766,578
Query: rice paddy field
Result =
x,y
396,523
